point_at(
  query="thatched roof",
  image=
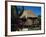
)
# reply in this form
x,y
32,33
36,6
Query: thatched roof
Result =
x,y
28,13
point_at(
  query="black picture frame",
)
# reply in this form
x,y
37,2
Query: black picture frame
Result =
x,y
7,20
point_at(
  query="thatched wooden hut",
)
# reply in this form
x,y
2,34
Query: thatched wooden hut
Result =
x,y
30,16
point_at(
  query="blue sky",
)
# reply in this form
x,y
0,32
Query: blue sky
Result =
x,y
36,10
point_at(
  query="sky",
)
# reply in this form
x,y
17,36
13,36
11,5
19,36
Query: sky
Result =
x,y
36,10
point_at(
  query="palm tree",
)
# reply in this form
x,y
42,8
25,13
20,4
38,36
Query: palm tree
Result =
x,y
19,10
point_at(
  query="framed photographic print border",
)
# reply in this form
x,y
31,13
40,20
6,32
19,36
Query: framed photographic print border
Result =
x,y
6,31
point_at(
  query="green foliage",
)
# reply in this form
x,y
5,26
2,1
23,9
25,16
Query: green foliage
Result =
x,y
19,10
39,19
